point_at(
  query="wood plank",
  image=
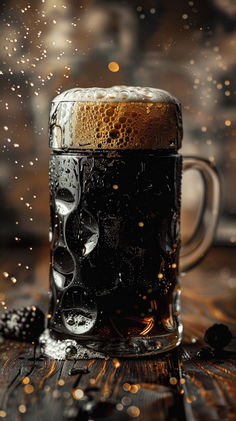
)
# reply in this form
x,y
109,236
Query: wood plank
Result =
x,y
102,382
176,386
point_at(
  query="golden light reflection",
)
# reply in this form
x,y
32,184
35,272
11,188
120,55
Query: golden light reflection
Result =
x,y
126,387
150,322
133,411
22,409
116,363
29,389
113,66
134,388
78,394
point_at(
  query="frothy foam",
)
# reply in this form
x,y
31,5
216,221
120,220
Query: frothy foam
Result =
x,y
116,94
66,349
119,117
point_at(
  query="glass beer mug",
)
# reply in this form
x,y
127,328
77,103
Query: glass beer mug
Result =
x,y
115,196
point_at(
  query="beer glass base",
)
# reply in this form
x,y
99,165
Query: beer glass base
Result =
x,y
85,348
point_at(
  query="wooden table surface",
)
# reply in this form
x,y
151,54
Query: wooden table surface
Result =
x,y
175,386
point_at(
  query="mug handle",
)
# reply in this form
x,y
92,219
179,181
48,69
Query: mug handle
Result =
x,y
197,246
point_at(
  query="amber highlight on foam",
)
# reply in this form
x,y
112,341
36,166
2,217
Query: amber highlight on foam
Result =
x,y
125,125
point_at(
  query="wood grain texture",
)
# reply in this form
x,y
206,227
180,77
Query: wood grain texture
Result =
x,y
176,386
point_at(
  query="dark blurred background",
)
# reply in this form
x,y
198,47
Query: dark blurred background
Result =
x,y
47,46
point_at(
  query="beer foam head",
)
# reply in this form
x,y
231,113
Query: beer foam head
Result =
x,y
116,94
119,117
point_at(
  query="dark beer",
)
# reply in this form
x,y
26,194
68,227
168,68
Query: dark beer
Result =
x,y
115,211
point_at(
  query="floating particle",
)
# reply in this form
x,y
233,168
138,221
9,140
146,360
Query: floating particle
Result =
x,y
219,86
113,66
141,224
227,82
126,387
203,129
5,274
228,122
3,414
174,265
115,186
133,411
78,394
56,394
119,407
173,381
13,280
29,389
25,380
185,16
152,10
22,409
126,401
5,128
160,275
134,388
116,363
61,382
190,398
227,93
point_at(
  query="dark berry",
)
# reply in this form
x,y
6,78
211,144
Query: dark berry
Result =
x,y
218,336
205,353
25,324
